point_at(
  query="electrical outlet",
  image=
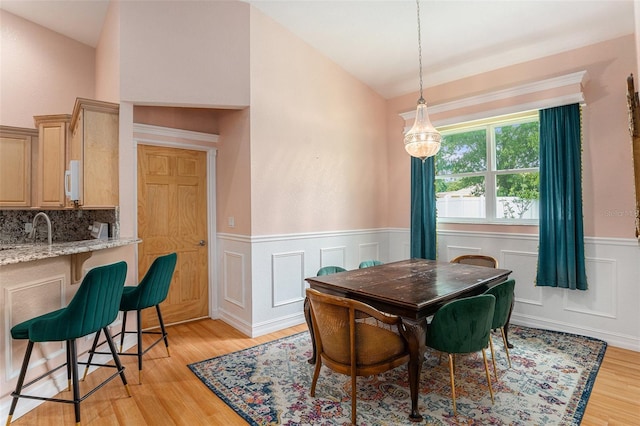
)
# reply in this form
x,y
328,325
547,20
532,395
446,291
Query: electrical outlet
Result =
x,y
232,222
28,227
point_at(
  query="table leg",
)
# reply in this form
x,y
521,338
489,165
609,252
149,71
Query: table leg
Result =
x,y
307,317
415,332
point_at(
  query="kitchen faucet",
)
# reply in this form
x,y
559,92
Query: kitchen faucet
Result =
x,y
32,234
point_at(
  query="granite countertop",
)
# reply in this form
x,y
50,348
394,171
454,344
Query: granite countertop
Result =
x,y
17,253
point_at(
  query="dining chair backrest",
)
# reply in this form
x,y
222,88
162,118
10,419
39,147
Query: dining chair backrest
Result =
x,y
463,325
154,286
93,307
477,260
369,263
328,270
504,293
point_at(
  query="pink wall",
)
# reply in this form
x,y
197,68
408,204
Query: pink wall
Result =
x,y
41,71
108,56
607,166
204,120
202,61
318,145
233,169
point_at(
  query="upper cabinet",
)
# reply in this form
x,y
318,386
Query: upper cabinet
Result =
x,y
15,166
94,142
49,159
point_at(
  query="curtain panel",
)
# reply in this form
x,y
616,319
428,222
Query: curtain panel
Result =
x,y
561,248
423,208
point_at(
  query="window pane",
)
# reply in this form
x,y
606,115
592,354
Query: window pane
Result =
x,y
517,196
517,146
460,197
462,153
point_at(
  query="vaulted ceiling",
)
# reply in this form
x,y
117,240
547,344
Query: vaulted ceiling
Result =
x,y
377,40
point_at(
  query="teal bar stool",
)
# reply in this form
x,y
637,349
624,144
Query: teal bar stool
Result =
x,y
150,292
92,309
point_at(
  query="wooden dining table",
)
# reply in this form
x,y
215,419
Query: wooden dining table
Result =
x,y
413,289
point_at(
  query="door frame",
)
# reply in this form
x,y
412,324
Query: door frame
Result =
x,y
145,134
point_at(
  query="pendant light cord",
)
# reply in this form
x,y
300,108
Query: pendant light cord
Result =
x,y
421,100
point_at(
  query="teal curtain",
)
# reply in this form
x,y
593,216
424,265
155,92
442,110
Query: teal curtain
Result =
x,y
561,250
423,209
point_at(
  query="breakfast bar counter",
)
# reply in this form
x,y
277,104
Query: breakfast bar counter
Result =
x,y
17,253
40,278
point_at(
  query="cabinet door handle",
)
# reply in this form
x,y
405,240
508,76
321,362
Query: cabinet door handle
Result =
x,y
202,243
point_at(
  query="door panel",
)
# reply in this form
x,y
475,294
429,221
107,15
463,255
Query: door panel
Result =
x,y
172,216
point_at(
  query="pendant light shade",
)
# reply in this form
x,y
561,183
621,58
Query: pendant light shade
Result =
x,y
423,140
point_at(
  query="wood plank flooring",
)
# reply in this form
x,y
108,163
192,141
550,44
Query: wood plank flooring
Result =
x,y
172,395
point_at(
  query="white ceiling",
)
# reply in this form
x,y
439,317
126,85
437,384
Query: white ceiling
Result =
x,y
377,40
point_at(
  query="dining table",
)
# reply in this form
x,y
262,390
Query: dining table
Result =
x,y
413,289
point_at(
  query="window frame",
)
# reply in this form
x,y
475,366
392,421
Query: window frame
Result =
x,y
491,173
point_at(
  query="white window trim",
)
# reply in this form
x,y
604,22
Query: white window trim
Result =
x,y
574,81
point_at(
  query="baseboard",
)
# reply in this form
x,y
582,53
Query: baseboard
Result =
x,y
613,339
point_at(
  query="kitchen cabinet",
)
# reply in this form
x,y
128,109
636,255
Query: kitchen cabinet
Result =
x,y
94,142
15,165
50,159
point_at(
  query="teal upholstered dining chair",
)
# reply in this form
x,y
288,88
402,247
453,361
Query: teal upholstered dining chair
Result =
x,y
504,294
328,270
93,308
150,292
460,327
369,263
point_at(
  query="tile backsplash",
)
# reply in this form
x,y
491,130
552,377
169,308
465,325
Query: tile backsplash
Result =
x,y
66,225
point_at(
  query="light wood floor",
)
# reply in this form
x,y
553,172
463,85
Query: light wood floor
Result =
x,y
172,395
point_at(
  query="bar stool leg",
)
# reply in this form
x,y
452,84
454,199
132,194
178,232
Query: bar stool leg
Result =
x,y
123,330
116,359
139,349
91,353
164,331
68,367
23,373
73,355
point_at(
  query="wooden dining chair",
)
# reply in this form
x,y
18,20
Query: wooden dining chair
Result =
x,y
351,338
460,327
477,260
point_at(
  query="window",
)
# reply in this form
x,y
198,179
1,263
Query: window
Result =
x,y
487,171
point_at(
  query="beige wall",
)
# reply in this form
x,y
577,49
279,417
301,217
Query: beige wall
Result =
x,y
607,166
41,71
318,145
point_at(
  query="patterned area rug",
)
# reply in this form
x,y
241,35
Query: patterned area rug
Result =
x,y
549,383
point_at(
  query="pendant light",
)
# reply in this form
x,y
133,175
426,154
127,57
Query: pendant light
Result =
x,y
423,140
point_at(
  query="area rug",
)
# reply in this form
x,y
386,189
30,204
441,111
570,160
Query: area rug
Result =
x,y
549,383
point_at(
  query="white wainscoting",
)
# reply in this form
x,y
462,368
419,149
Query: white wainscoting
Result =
x,y
608,310
271,275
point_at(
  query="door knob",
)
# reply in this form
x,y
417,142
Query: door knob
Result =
x,y
202,243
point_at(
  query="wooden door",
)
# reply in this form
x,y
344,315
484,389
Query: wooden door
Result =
x,y
172,216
